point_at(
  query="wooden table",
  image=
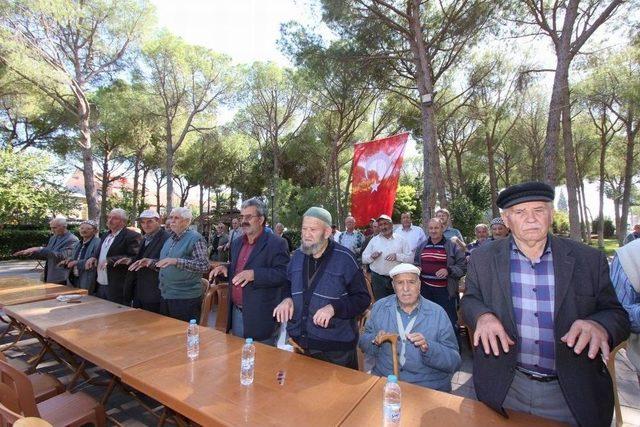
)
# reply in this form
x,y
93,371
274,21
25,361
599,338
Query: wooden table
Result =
x,y
423,406
117,341
208,390
22,294
17,281
39,316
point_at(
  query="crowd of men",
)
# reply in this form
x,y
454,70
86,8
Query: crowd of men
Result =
x,y
543,310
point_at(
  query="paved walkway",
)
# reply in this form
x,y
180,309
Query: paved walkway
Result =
x,y
128,412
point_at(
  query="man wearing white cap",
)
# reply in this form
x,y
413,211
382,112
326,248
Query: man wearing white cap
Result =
x,y
385,251
324,294
142,280
427,344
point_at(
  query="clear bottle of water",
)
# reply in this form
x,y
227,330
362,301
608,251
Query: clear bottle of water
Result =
x,y
392,402
248,359
193,340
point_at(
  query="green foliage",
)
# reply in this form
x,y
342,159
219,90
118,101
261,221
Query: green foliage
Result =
x,y
560,223
14,240
295,200
467,208
27,192
609,228
406,201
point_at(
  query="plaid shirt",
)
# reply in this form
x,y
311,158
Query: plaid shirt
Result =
x,y
627,295
532,292
200,261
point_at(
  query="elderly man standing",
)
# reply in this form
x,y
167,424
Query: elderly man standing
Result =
x,y
633,235
219,241
498,229
257,272
385,251
59,247
413,234
482,235
79,276
183,261
279,229
428,346
443,215
351,238
545,315
442,264
142,286
119,242
325,294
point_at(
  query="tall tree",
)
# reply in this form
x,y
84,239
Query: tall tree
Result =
x,y
189,82
568,24
417,42
68,47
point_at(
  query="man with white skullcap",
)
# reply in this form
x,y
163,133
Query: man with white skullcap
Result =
x,y
427,346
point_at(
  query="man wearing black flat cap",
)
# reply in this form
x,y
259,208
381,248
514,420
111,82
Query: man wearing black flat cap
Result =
x,y
544,314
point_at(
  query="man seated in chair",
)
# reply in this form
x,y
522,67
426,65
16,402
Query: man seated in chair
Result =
x,y
427,346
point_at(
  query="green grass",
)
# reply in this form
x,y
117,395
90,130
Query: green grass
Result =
x,y
610,245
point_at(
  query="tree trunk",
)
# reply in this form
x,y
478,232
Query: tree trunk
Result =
x,y
104,188
438,177
143,192
91,196
570,163
347,187
169,175
587,218
493,179
628,176
209,200
603,152
201,207
459,169
136,183
554,117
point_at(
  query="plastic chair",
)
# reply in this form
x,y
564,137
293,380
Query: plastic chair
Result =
x,y
611,366
45,386
66,409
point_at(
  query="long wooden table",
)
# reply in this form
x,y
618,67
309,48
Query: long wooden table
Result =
x,y
22,294
40,316
423,406
17,281
118,341
208,390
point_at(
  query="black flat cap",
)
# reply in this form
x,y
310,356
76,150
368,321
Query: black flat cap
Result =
x,y
526,192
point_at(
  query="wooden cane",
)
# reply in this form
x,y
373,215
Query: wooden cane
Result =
x,y
393,339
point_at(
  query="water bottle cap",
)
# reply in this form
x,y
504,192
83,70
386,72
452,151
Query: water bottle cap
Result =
x,y
193,321
249,341
392,379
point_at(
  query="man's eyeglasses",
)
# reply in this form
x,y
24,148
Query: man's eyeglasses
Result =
x,y
249,217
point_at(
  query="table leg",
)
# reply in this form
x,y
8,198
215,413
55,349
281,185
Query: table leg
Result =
x,y
21,331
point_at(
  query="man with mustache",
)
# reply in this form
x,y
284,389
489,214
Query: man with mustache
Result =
x,y
324,294
545,315
257,271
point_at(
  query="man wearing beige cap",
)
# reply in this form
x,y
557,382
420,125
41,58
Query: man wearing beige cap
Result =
x,y
385,251
428,346
324,294
141,285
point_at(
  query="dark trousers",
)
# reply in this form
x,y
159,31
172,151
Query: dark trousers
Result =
x,y
182,309
148,306
346,358
102,291
441,297
381,286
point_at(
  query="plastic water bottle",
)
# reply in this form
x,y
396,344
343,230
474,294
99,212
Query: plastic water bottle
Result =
x,y
392,402
248,359
193,340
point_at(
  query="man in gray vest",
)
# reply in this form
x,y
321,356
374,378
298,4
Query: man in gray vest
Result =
x,y
59,247
183,261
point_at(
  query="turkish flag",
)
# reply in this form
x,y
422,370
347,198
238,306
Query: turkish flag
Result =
x,y
376,170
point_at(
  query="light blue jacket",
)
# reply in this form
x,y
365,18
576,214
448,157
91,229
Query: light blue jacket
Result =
x,y
433,368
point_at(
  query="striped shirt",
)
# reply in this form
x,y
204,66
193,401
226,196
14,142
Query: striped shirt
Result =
x,y
433,258
532,292
627,295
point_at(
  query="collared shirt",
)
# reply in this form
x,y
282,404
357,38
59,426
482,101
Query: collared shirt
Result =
x,y
406,317
243,257
149,236
532,293
414,235
433,257
106,244
393,245
352,240
449,232
199,263
627,295
476,244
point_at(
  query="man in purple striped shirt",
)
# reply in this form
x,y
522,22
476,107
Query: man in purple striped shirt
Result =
x,y
545,315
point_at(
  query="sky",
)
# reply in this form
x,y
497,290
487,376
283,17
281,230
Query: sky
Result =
x,y
248,31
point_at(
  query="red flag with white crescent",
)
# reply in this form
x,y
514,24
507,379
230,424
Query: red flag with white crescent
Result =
x,y
376,170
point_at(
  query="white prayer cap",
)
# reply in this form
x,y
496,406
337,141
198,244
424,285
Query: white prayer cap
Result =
x,y
404,268
149,213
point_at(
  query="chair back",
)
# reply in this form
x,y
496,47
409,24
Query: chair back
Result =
x,y
207,301
8,417
222,291
16,391
367,281
362,320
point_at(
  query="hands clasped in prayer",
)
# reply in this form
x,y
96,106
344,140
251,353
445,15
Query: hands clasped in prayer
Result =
x,y
490,332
